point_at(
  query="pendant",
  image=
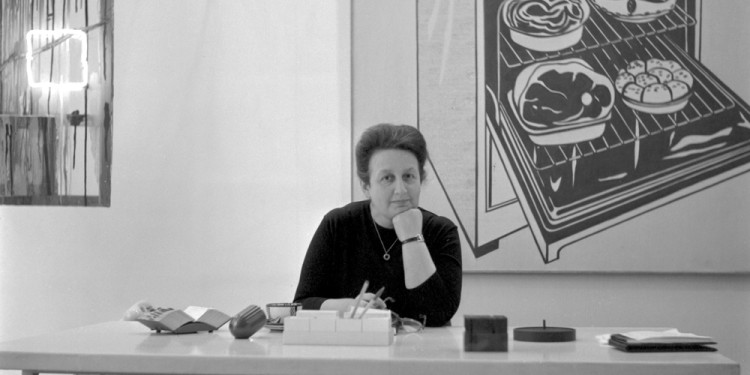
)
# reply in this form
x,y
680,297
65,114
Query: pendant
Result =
x,y
386,257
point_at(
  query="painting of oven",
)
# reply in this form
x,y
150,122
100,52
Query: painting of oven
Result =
x,y
603,112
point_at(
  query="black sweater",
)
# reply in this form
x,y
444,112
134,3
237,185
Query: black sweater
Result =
x,y
345,251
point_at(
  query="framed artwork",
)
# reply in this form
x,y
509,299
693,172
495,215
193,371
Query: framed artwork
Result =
x,y
586,135
56,110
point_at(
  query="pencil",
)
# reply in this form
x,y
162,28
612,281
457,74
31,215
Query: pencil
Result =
x,y
372,301
359,297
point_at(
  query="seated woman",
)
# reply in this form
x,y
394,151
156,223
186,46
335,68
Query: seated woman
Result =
x,y
387,239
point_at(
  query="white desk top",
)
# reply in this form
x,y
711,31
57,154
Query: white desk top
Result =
x,y
129,347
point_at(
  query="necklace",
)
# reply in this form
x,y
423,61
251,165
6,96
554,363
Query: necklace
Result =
x,y
386,256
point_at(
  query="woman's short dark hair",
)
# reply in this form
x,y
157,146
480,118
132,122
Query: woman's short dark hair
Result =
x,y
389,137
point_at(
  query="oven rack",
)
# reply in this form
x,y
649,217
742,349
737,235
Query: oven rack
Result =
x,y
627,125
599,31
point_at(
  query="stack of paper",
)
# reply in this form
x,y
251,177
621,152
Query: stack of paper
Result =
x,y
656,341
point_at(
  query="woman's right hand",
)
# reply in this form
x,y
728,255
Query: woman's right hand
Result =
x,y
378,303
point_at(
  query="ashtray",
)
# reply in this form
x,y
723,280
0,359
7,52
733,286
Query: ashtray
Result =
x,y
277,311
274,326
544,334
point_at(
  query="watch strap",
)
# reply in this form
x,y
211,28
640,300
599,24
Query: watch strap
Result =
x,y
412,239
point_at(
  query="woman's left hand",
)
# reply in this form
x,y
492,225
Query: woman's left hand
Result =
x,y
408,223
377,303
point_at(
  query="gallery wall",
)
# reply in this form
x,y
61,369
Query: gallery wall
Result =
x,y
231,140
517,283
230,143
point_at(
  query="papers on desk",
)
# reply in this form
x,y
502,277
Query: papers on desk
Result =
x,y
670,340
190,320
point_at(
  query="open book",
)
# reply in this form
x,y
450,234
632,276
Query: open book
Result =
x,y
669,340
191,319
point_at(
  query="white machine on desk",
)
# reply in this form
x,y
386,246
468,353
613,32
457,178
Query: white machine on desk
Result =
x,y
330,327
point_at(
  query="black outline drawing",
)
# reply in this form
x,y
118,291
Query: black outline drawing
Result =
x,y
641,162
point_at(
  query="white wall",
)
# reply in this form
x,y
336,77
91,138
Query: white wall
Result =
x,y
727,30
715,305
231,140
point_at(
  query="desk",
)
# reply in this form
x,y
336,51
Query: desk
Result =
x,y
129,347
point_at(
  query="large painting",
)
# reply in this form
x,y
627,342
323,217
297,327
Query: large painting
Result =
x,y
56,102
585,135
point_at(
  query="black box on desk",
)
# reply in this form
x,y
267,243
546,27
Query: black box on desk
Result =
x,y
485,333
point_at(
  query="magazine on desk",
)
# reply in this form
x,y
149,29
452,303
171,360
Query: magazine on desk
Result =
x,y
668,340
190,320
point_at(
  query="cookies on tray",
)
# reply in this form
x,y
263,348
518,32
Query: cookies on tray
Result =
x,y
654,86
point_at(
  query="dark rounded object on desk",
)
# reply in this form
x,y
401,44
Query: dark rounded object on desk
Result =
x,y
544,334
247,322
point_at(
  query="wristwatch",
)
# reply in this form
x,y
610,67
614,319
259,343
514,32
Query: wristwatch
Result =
x,y
412,239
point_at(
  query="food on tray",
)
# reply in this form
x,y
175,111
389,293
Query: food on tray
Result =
x,y
645,79
560,102
636,11
636,67
660,74
656,86
549,17
546,25
684,76
656,93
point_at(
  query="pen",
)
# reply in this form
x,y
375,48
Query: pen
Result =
x,y
372,301
359,297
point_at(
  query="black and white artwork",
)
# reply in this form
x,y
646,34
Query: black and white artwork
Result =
x,y
56,102
587,135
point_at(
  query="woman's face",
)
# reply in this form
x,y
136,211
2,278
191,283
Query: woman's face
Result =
x,y
394,184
